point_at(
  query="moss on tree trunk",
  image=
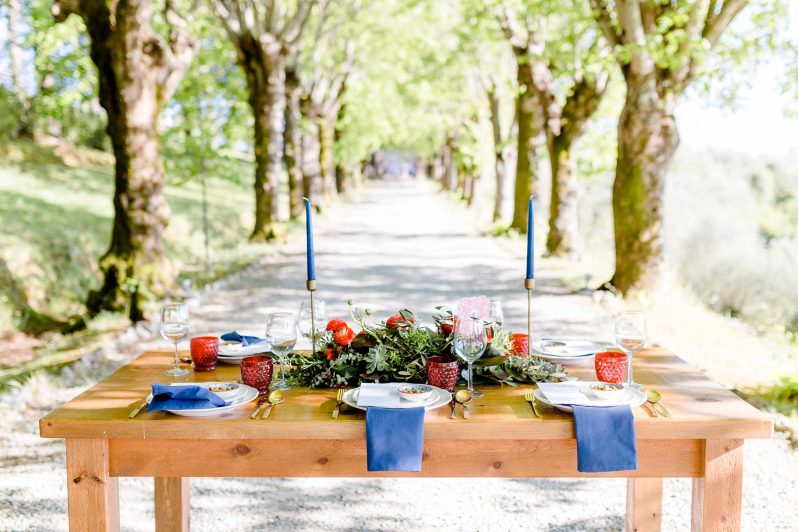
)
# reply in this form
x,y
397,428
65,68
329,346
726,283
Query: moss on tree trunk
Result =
x,y
293,143
525,106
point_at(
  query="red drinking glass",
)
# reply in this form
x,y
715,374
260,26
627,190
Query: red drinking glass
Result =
x,y
520,344
204,351
443,372
256,371
611,366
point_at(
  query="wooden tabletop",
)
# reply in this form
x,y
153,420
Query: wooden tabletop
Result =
x,y
701,408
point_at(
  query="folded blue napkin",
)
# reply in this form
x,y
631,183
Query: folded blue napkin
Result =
x,y
605,439
394,438
165,397
245,340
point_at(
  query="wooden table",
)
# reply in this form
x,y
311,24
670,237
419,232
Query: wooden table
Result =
x,y
703,440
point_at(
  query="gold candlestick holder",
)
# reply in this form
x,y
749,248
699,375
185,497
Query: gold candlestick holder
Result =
x,y
529,284
311,285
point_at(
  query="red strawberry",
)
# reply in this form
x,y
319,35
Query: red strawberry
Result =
x,y
334,325
397,322
331,354
344,337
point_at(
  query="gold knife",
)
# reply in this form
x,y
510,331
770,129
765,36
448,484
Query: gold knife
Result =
x,y
338,402
138,409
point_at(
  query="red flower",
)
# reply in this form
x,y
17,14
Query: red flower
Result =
x,y
445,329
334,325
331,354
344,337
397,321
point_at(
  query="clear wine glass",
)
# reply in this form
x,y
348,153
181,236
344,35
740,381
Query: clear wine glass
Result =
x,y
496,315
175,327
304,320
470,341
281,333
630,335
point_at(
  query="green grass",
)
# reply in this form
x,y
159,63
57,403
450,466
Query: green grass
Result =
x,y
55,222
780,397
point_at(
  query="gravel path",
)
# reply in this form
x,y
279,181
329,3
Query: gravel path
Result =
x,y
398,245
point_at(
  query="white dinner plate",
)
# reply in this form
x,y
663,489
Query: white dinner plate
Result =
x,y
247,394
438,398
561,350
633,397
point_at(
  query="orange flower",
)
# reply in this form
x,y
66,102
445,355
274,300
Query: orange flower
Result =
x,y
344,337
334,325
397,322
331,354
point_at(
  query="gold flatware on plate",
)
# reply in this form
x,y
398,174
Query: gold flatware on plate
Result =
x,y
261,401
655,398
529,397
275,398
138,409
338,401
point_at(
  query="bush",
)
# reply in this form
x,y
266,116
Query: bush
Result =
x,y
12,118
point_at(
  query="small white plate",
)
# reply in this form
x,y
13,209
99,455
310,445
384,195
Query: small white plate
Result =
x,y
438,398
633,397
561,350
248,394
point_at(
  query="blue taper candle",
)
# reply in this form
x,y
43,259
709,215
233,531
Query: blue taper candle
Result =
x,y
309,231
530,241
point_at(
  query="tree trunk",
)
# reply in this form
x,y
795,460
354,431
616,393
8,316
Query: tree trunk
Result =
x,y
647,140
572,119
341,169
265,74
527,148
500,153
138,72
293,143
311,166
326,139
14,49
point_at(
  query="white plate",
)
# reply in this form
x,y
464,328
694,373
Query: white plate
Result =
x,y
634,397
570,350
248,394
438,398
239,351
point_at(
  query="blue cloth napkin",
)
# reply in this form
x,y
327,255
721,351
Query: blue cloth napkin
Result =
x,y
166,397
394,438
245,340
605,439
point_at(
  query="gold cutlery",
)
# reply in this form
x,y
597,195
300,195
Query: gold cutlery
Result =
x,y
454,408
529,397
261,401
655,398
648,408
464,397
275,398
138,409
338,400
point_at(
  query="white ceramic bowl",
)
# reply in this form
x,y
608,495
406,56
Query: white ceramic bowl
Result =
x,y
417,393
225,390
604,390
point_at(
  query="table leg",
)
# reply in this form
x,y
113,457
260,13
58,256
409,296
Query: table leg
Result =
x,y
718,496
171,504
643,504
92,494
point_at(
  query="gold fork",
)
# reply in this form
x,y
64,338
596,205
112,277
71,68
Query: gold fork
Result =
x,y
529,397
338,400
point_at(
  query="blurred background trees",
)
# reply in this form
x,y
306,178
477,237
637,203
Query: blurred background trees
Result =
x,y
231,111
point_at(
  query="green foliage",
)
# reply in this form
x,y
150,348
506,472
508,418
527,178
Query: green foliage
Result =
x,y
11,119
781,397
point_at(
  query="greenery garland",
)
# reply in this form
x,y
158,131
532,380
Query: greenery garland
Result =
x,y
397,349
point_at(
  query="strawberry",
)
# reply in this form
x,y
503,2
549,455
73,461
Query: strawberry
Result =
x,y
334,325
344,337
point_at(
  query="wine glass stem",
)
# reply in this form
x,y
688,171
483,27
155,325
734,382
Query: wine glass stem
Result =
x,y
630,378
282,370
177,357
470,379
